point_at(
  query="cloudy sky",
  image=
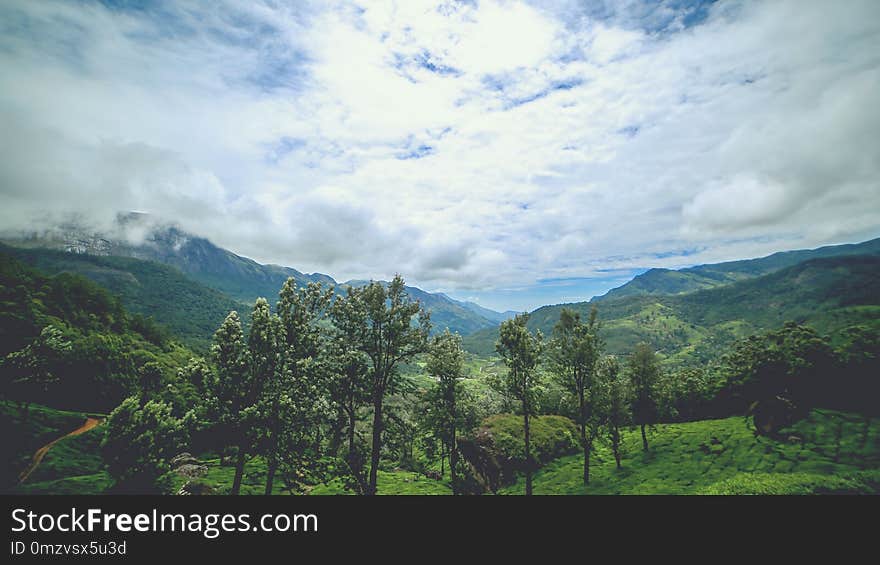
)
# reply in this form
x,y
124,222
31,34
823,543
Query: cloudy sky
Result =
x,y
515,153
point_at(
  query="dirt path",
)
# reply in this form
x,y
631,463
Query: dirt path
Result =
x,y
38,456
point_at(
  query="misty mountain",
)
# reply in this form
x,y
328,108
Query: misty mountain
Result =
x,y
236,277
239,277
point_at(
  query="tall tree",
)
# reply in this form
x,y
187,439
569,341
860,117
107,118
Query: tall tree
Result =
x,y
379,319
349,391
521,352
644,373
228,389
573,353
616,402
446,364
267,383
293,396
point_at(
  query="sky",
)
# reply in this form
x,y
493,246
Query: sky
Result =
x,y
512,153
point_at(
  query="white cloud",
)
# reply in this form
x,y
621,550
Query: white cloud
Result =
x,y
467,145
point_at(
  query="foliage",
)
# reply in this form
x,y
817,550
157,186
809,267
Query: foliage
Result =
x,y
106,348
163,300
139,441
687,457
443,416
379,321
35,367
617,396
521,352
573,355
777,375
643,369
496,450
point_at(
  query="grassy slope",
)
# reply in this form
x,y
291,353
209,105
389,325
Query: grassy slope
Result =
x,y
696,456
71,466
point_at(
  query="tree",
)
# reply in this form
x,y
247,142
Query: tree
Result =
x,y
573,353
296,402
778,376
229,389
521,353
139,441
379,321
686,393
445,363
150,380
644,373
35,366
197,373
349,389
617,402
267,384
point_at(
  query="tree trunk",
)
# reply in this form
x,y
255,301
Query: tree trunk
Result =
x,y
838,437
583,425
586,462
528,453
453,459
354,462
272,458
270,474
338,430
239,470
442,459
644,439
377,444
615,444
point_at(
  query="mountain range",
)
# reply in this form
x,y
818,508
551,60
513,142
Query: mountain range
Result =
x,y
189,284
700,277
143,273
692,314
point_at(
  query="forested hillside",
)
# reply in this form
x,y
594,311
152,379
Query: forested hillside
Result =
x,y
189,309
828,294
667,281
93,359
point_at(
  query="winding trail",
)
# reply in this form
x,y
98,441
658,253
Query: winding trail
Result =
x,y
40,453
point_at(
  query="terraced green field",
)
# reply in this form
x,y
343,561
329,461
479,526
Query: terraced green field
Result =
x,y
827,452
723,455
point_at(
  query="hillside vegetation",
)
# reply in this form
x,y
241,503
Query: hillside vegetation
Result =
x,y
667,281
107,345
189,309
827,452
827,294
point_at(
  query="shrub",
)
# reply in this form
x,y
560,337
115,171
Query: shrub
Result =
x,y
496,450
